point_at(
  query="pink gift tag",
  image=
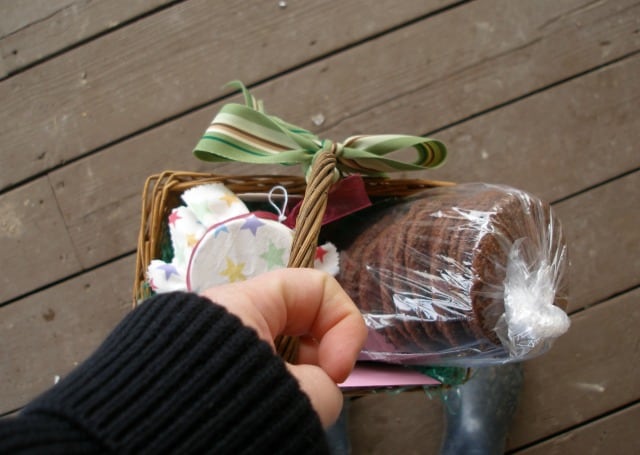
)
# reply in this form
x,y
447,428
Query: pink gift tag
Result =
x,y
379,375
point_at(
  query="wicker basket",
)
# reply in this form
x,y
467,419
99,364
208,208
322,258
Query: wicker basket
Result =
x,y
162,193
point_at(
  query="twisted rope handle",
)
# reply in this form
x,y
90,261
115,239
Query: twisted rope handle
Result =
x,y
305,238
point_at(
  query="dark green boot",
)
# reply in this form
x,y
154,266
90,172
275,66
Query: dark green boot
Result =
x,y
479,412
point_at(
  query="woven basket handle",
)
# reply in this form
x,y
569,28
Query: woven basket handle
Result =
x,y
308,224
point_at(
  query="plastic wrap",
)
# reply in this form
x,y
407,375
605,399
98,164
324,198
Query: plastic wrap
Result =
x,y
463,275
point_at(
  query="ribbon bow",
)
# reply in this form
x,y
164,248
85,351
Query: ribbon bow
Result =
x,y
247,134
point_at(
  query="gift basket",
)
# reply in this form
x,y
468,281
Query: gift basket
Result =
x,y
444,274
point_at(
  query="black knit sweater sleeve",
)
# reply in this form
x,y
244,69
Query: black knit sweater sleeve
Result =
x,y
178,375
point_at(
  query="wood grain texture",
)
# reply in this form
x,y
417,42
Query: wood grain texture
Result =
x,y
48,333
101,199
604,240
616,433
595,367
556,142
59,25
406,423
166,64
583,376
454,65
35,245
544,144
19,15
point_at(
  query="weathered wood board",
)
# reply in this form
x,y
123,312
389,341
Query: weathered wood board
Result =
x,y
467,60
58,25
557,142
16,17
164,65
615,433
592,369
46,334
34,241
100,202
604,240
66,133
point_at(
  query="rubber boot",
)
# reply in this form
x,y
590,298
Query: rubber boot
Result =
x,y
479,412
337,434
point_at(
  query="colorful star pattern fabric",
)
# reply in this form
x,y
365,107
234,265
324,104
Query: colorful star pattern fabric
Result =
x,y
219,229
168,269
230,199
274,256
173,217
192,240
184,230
320,254
233,272
327,259
213,203
217,240
258,244
187,224
252,223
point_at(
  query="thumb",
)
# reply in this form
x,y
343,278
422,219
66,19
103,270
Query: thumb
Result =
x,y
324,394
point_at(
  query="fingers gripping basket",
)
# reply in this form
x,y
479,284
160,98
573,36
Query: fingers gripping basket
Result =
x,y
162,192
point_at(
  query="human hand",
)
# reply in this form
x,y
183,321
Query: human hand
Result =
x,y
311,305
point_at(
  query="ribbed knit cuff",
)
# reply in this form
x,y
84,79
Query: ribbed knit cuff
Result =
x,y
180,374
43,435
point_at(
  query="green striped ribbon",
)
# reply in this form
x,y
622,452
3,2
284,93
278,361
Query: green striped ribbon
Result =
x,y
245,133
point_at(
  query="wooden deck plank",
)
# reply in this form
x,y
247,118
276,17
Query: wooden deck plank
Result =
x,y
58,25
604,240
166,64
46,334
407,423
616,434
592,369
35,244
556,142
17,16
584,375
100,203
469,60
